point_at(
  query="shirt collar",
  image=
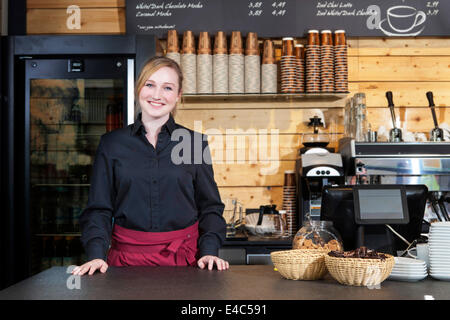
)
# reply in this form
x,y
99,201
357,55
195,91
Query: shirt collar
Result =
x,y
170,125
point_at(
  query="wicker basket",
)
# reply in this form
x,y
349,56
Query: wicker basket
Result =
x,y
300,264
358,271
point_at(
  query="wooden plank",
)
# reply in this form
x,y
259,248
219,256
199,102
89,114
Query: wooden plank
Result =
x,y
55,4
410,69
283,120
429,46
410,119
253,197
93,21
408,94
249,175
261,147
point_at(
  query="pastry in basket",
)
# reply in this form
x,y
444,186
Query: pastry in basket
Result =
x,y
359,267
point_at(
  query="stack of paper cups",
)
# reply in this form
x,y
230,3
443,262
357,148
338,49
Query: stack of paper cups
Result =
x,y
326,62
252,64
173,49
220,64
189,63
204,64
268,69
340,62
313,62
300,60
236,64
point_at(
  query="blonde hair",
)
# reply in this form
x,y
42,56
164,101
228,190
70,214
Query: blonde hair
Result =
x,y
150,67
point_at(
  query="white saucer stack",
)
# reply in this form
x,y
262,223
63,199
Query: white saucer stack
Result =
x,y
439,246
408,269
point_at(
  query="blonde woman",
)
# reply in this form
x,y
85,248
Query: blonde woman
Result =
x,y
165,212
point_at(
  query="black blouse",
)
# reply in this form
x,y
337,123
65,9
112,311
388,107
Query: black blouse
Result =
x,y
142,188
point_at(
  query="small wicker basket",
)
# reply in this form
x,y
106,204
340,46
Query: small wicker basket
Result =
x,y
300,264
359,271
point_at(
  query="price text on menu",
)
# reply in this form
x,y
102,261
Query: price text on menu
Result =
x,y
270,18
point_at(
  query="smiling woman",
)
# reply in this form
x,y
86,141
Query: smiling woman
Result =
x,y
165,213
167,73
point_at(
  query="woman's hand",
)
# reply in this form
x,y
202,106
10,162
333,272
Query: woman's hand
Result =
x,y
210,260
91,266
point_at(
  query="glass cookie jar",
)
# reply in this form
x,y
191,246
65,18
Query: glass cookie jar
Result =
x,y
319,235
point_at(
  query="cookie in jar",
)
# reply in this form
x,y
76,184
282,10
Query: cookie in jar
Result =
x,y
319,235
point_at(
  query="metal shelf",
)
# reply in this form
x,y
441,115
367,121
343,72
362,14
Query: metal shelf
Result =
x,y
61,185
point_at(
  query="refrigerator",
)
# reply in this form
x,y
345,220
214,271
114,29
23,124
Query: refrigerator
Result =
x,y
60,94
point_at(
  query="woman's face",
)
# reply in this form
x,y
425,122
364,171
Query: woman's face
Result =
x,y
160,93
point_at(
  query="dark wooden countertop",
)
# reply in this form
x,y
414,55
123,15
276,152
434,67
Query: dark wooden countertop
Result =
x,y
240,282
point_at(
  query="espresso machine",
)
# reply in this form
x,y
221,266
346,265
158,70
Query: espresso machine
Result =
x,y
399,162
316,166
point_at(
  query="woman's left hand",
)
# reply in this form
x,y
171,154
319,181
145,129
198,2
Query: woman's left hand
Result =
x,y
210,261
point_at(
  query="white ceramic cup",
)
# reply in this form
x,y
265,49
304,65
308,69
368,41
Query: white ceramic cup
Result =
x,y
404,18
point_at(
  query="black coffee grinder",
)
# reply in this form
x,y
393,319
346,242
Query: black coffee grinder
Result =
x,y
316,167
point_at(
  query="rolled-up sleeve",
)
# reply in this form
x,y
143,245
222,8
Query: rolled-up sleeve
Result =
x,y
212,226
96,219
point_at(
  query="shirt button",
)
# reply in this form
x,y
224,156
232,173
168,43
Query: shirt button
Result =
x,y
154,181
188,235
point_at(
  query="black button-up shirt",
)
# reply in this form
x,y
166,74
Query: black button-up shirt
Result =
x,y
143,188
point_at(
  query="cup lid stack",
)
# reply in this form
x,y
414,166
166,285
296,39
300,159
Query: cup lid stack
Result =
x,y
188,42
236,46
172,41
220,43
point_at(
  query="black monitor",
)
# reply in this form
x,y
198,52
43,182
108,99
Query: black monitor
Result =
x,y
338,206
380,204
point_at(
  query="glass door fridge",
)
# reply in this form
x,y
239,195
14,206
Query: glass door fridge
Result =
x,y
69,104
59,95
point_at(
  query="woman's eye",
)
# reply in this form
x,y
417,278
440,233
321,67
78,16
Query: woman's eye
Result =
x,y
169,88
149,85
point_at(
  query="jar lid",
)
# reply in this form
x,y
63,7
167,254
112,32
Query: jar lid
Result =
x,y
288,38
339,31
326,31
313,31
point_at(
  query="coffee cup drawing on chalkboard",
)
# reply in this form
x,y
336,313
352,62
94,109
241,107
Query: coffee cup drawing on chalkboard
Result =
x,y
401,21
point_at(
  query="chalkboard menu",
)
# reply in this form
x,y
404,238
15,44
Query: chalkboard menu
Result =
x,y
386,18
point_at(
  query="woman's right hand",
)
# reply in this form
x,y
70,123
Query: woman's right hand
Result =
x,y
91,266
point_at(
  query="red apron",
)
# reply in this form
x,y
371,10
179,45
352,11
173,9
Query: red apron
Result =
x,y
139,248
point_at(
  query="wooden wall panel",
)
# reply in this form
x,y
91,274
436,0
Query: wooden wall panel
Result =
x,y
93,21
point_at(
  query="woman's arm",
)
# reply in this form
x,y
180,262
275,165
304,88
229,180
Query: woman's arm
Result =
x,y
212,226
96,219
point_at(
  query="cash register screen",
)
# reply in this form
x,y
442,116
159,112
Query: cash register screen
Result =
x,y
378,205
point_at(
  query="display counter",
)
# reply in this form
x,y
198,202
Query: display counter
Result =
x,y
240,282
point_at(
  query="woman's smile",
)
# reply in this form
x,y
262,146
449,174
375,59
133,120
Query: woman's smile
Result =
x,y
158,97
